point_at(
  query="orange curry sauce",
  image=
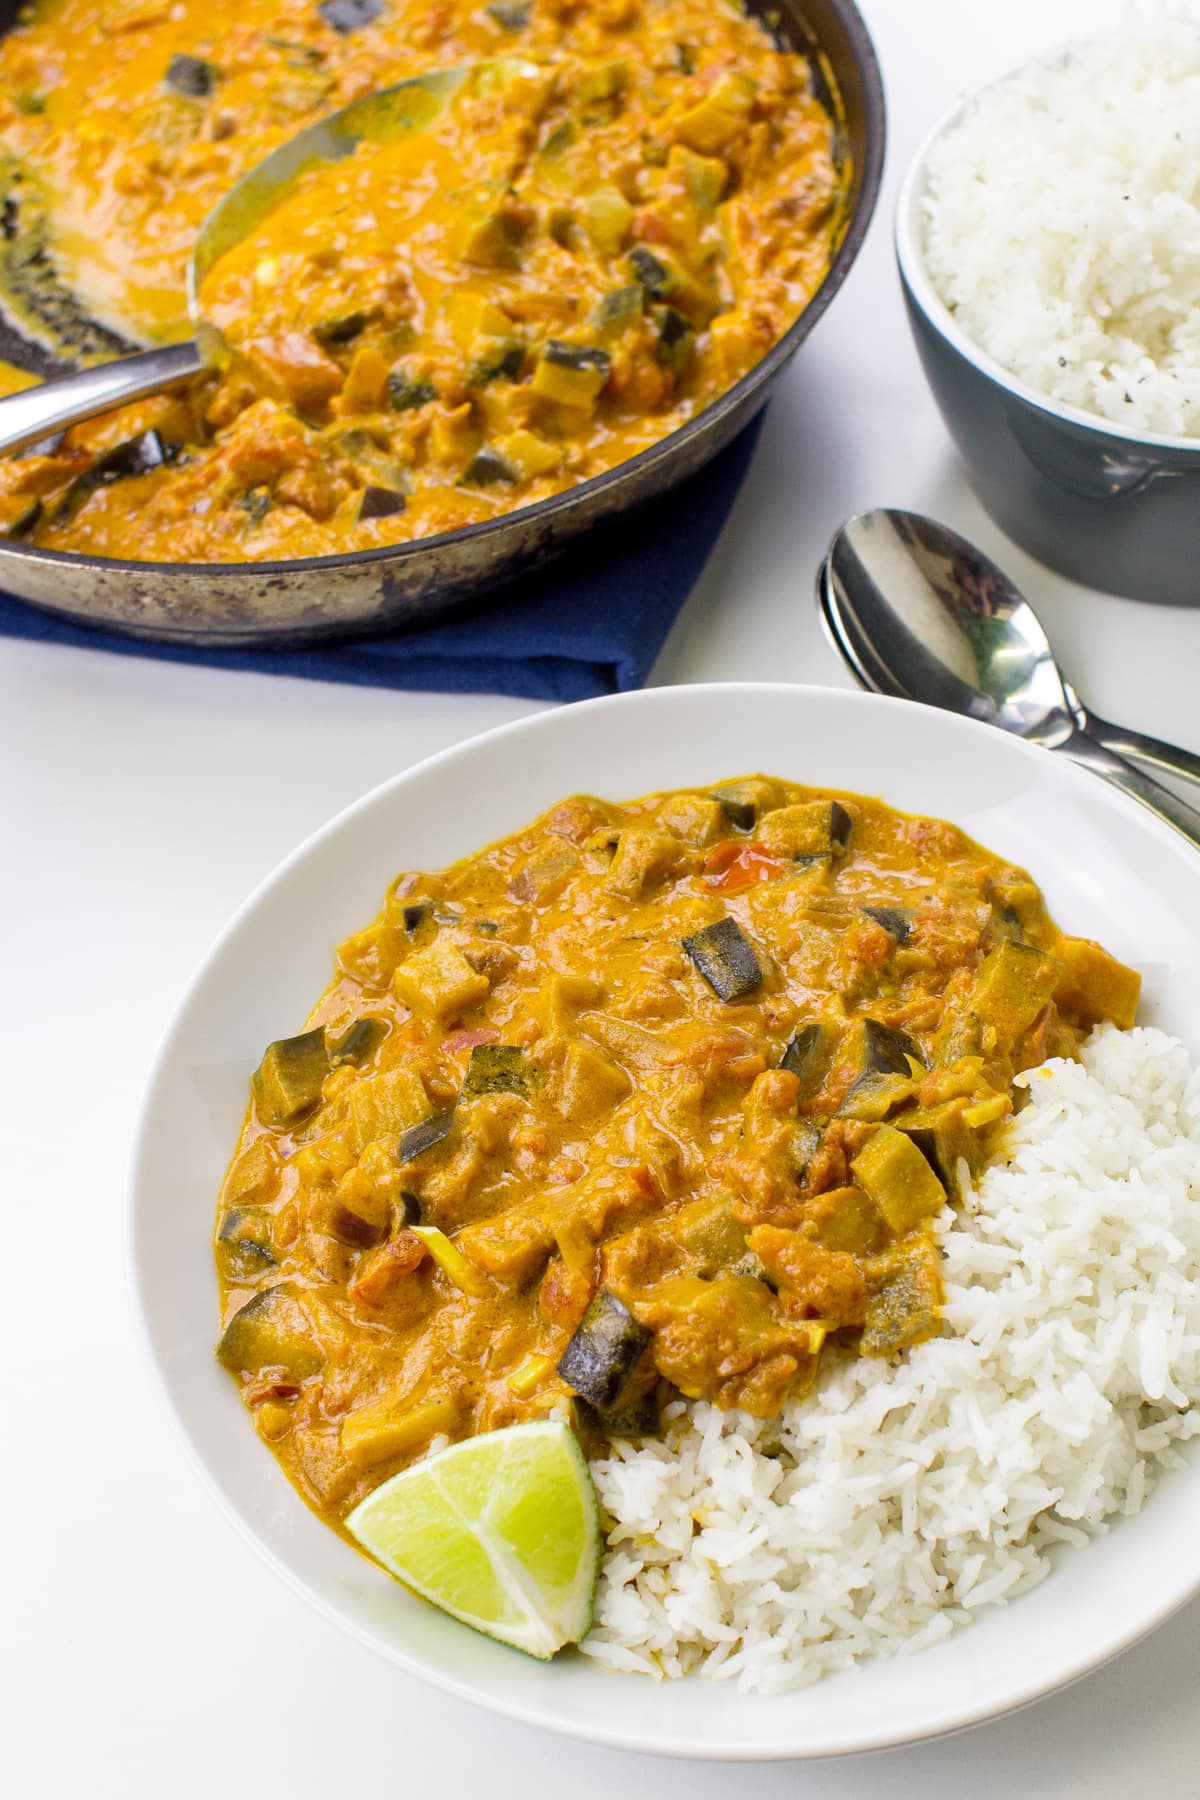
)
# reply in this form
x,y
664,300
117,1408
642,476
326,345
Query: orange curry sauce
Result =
x,y
568,267
645,1099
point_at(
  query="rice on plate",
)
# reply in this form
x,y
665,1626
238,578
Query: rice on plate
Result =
x,y
1062,225
889,1506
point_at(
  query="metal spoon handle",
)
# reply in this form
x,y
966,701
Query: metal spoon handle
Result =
x,y
1091,754
1172,759
38,412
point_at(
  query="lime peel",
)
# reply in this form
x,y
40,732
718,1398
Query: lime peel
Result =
x,y
501,1531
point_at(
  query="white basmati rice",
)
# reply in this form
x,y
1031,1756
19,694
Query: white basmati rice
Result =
x,y
894,1502
1062,225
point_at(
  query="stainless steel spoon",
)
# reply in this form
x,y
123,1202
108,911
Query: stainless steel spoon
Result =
x,y
407,106
919,613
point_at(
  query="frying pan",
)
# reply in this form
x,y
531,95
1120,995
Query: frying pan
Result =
x,y
303,600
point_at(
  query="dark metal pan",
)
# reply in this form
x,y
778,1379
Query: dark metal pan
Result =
x,y
361,591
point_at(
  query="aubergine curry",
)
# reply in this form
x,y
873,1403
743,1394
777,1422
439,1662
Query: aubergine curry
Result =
x,y
570,264
646,1099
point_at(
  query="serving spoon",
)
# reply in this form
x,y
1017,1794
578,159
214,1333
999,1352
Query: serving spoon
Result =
x,y
406,107
919,613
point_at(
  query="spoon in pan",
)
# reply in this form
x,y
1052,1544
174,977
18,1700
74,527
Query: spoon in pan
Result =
x,y
407,107
919,613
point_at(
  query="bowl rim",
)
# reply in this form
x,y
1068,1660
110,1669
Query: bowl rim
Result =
x,y
921,290
867,178
1028,1690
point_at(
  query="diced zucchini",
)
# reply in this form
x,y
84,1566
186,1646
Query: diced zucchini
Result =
x,y
725,957
559,141
705,177
486,468
619,306
424,1136
339,329
288,1081
571,374
898,1179
1013,984
272,1331
439,980
380,503
192,76
607,216
807,1057
603,81
496,359
485,237
510,15
896,920
406,390
1094,986
349,15
497,1069
721,116
604,1352
359,1042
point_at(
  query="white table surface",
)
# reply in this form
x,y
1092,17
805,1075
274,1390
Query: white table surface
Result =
x,y
145,1650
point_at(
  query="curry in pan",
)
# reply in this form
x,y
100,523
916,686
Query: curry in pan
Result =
x,y
568,267
645,1099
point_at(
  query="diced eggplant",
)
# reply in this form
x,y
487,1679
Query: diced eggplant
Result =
x,y
743,801
380,503
872,1097
499,359
896,921
407,391
255,503
288,1081
807,829
559,141
1094,986
650,272
1013,984
620,305
246,1241
415,915
338,330
349,15
725,957
489,927
510,15
807,1057
898,1179
408,1208
877,1049
604,1352
30,271
136,456
359,1042
272,1331
676,340
904,1288
685,59
840,823
362,1225
639,1419
19,515
192,76
710,1234
571,374
754,1267
485,469
419,1138
944,1139
496,1069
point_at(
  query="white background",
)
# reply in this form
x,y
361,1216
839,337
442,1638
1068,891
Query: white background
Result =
x,y
145,1650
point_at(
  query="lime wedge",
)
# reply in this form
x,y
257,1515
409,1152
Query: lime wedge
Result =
x,y
502,1531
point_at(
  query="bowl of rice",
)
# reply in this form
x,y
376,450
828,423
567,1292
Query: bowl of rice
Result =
x,y
1048,238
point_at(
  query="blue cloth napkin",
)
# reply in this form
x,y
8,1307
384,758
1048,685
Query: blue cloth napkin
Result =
x,y
591,622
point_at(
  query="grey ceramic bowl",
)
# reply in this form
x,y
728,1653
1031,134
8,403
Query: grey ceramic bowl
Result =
x,y
1118,510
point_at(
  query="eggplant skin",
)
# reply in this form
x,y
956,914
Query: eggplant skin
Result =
x,y
725,957
896,921
346,16
600,1358
420,1138
806,1057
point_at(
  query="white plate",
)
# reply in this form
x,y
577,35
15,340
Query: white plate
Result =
x,y
1109,871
